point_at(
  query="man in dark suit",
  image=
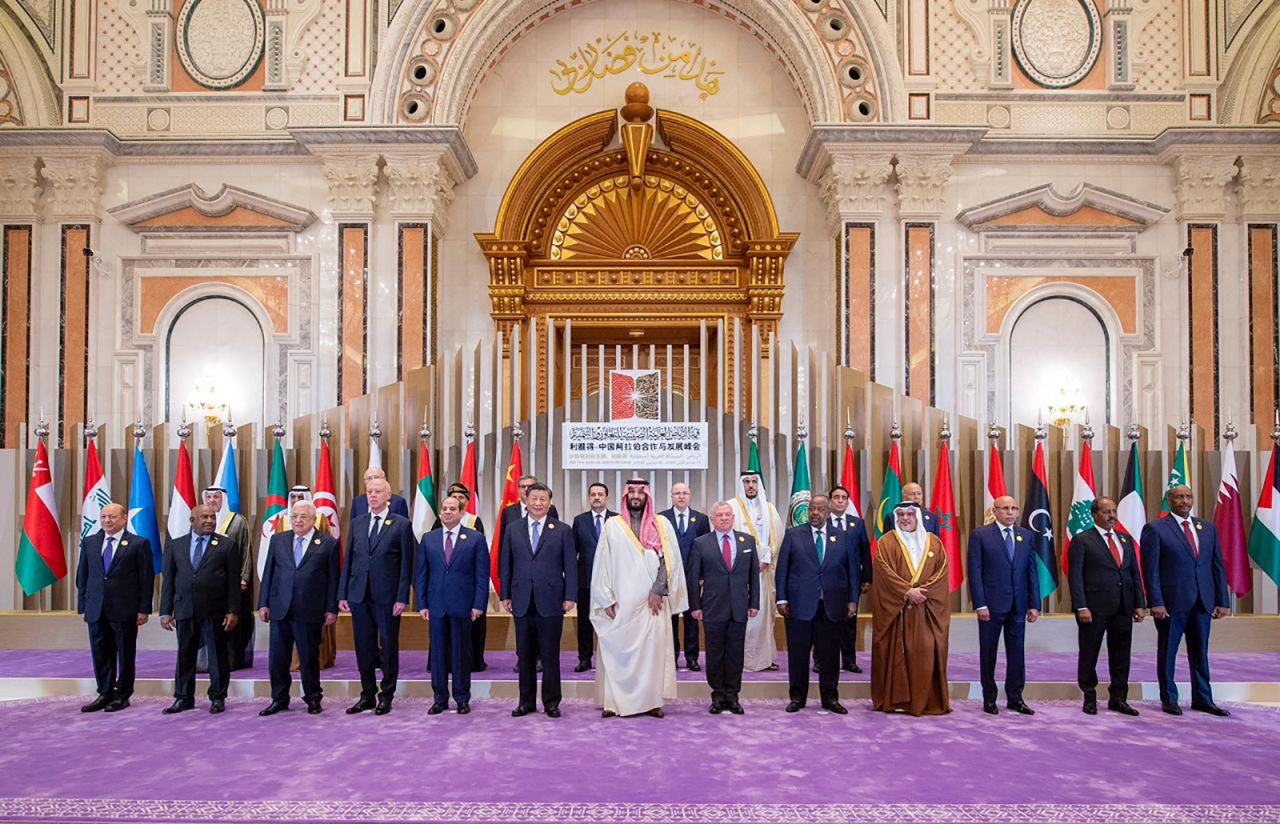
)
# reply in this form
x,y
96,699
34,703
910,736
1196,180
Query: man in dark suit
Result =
x,y
1186,588
724,591
914,493
847,522
299,595
374,587
586,534
818,589
479,629
1106,591
200,595
538,580
689,525
521,510
360,504
452,582
114,581
1005,588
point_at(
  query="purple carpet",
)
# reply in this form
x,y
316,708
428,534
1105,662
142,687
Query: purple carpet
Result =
x,y
963,666
61,765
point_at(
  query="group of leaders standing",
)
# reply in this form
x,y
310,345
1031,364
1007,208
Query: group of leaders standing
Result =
x,y
644,584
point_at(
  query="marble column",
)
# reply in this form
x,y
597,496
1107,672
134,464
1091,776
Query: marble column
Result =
x,y
352,179
19,221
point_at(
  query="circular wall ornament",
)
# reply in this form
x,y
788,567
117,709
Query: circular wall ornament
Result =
x,y
1056,42
220,42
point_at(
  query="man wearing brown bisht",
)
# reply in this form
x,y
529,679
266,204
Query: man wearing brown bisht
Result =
x,y
911,609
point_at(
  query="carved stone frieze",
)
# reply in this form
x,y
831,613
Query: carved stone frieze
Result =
x,y
853,187
922,185
73,186
353,184
420,186
18,189
1260,187
1201,185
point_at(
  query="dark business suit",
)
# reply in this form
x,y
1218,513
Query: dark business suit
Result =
x,y
111,599
1112,594
857,529
1189,584
514,512
298,596
585,538
360,506
537,582
696,525
480,628
929,521
818,594
451,589
199,599
377,572
724,594
1007,587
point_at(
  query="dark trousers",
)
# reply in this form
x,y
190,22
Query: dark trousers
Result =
x,y
1013,625
1194,624
284,635
479,632
1118,629
726,648
451,652
114,645
195,634
586,632
240,639
849,643
538,638
377,637
690,645
820,635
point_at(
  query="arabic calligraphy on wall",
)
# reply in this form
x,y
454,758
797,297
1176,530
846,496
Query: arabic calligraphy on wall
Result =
x,y
650,53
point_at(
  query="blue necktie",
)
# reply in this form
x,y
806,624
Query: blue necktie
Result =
x,y
1008,542
107,553
681,523
599,525
817,544
198,552
299,544
537,534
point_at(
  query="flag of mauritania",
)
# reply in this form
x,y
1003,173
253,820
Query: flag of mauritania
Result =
x,y
1037,518
424,494
798,512
1179,475
1264,538
40,560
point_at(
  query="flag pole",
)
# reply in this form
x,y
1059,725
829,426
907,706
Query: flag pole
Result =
x,y
42,434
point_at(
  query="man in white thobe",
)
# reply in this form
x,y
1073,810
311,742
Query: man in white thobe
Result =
x,y
754,515
637,584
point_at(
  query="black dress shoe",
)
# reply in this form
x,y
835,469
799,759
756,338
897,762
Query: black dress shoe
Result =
x,y
97,705
656,712
583,666
384,706
178,706
735,708
464,709
795,706
835,707
314,708
1121,707
217,706
608,714
772,668
363,705
1090,708
436,709
1211,709
1021,708
693,667
553,712
1171,709
480,667
538,667
116,705
273,708
716,709
990,708
520,712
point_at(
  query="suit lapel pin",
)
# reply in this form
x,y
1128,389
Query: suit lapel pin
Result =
x,y
125,542
317,542
551,526
741,540
831,538
463,536
693,518
1019,538
1199,526
214,542
931,553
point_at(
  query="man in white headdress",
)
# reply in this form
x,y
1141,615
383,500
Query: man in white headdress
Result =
x,y
637,584
234,526
754,515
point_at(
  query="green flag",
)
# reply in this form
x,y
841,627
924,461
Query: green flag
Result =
x,y
799,511
1179,475
890,493
753,461
277,505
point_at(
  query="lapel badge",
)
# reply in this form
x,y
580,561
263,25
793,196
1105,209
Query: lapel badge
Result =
x,y
317,542
831,538
125,542
931,553
741,540
463,536
1019,538
693,518
1199,525
214,542
551,526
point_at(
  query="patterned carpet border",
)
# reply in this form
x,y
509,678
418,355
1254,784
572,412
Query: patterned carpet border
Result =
x,y
100,810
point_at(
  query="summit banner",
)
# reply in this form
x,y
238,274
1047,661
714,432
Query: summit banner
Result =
x,y
634,445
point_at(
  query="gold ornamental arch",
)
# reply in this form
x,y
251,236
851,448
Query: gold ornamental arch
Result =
x,y
634,240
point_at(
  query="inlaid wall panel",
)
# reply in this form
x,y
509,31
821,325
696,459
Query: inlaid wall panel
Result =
x,y
353,303
856,309
73,341
416,289
15,336
1202,302
918,316
1264,343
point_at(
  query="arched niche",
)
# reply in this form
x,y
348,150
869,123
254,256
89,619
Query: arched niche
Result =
x,y
1057,342
216,340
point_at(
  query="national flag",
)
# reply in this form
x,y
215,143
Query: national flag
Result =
x,y
424,494
1131,512
183,497
753,460
142,508
1083,493
1179,475
41,559
97,493
468,478
1228,517
1037,518
798,511
510,497
890,494
325,497
995,485
277,506
1264,538
849,480
944,509
226,478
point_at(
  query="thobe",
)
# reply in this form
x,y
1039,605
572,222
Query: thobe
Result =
x,y
909,643
760,520
240,639
635,672
328,633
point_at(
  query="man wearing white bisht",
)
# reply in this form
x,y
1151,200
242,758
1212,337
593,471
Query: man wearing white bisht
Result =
x,y
637,584
754,515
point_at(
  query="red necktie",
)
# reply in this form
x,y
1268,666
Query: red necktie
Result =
x,y
1115,550
724,550
1191,537
448,546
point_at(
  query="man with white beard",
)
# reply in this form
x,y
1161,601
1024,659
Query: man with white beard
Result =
x,y
754,515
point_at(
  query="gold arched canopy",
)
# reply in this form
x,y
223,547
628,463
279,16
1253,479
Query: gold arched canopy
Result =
x,y
636,241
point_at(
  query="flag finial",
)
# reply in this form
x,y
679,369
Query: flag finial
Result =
x,y
325,431
1184,431
139,431
91,431
895,431
944,433
277,429
184,429
424,433
1041,432
42,427
228,428
1229,434
375,431
1086,433
993,433
470,431
1133,433
1275,431
753,431
802,433
848,425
